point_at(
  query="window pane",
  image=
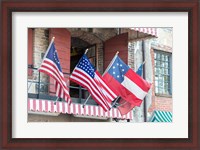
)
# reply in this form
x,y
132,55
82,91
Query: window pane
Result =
x,y
162,72
158,56
160,91
157,63
162,64
156,83
162,57
165,78
166,72
160,84
156,78
166,64
156,71
166,58
156,89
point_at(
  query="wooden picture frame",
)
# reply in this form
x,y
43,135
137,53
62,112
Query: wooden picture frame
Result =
x,y
190,6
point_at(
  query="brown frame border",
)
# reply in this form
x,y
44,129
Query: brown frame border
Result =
x,y
9,6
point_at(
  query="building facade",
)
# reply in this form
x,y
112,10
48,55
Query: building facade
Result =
x,y
135,45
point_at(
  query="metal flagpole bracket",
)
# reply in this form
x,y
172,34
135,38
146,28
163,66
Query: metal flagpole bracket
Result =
x,y
115,101
56,100
86,100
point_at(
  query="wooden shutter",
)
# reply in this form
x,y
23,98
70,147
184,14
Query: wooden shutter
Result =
x,y
111,46
30,50
63,45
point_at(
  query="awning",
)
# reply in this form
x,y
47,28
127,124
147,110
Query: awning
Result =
x,y
37,105
161,116
141,33
149,31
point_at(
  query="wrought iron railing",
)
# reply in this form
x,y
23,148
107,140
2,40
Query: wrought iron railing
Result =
x,y
40,89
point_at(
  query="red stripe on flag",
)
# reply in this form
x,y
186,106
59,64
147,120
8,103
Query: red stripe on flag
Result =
x,y
55,69
56,75
102,83
53,75
123,92
90,86
91,91
134,77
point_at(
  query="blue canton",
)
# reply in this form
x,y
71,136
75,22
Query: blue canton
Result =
x,y
53,56
86,66
118,70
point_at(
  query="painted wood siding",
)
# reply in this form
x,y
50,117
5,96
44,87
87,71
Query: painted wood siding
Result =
x,y
111,46
63,45
30,50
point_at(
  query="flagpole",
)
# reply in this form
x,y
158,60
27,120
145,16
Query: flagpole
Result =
x,y
86,51
111,63
102,75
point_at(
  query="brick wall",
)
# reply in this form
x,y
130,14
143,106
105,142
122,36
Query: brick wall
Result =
x,y
131,50
162,43
99,48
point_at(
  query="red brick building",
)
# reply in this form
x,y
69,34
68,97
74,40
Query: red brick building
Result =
x,y
102,43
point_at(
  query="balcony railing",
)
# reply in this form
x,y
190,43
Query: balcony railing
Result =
x,y
39,88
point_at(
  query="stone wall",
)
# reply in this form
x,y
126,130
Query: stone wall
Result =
x,y
135,50
40,45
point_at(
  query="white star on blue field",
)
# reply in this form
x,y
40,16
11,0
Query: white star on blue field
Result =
x,y
118,69
86,66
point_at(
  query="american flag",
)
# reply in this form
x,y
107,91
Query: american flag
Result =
x,y
87,76
51,66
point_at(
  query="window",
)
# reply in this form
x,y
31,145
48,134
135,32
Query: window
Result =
x,y
163,71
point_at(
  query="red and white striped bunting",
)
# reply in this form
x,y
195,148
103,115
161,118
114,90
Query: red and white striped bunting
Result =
x,y
76,109
150,31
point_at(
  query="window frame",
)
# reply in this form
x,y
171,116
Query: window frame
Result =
x,y
169,67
